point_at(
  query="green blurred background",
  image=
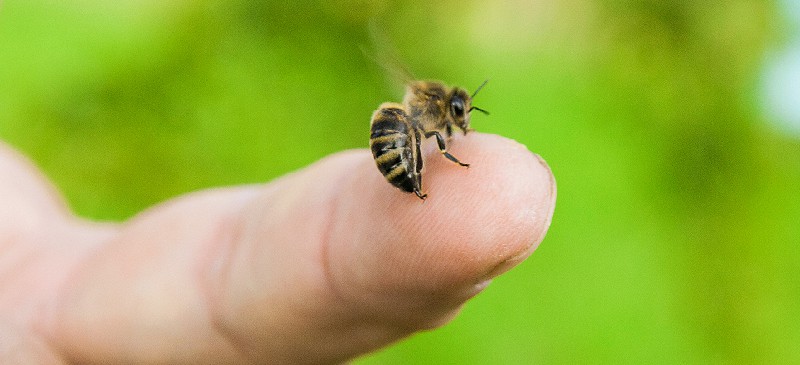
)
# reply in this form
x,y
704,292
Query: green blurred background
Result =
x,y
676,238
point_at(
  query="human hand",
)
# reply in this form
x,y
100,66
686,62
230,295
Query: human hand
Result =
x,y
318,266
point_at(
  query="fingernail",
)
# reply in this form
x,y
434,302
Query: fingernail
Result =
x,y
552,192
551,196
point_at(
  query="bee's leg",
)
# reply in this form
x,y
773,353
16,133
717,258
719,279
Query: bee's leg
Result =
x,y
443,148
418,167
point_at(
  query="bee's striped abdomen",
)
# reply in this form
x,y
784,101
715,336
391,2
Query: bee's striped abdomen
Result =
x,y
392,141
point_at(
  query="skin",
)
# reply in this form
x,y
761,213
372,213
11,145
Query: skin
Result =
x,y
319,266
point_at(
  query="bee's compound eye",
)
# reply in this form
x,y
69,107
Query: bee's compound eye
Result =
x,y
458,107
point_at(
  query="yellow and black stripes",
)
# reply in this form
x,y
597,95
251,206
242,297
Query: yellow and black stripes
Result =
x,y
429,109
395,146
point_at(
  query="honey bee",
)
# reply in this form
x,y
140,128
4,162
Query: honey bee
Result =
x,y
429,109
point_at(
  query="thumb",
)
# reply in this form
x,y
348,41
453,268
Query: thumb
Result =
x,y
316,267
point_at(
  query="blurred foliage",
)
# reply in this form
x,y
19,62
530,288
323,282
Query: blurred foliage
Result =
x,y
676,237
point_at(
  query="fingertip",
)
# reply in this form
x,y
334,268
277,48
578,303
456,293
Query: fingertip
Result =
x,y
475,224
503,204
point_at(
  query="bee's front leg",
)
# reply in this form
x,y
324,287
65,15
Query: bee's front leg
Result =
x,y
443,147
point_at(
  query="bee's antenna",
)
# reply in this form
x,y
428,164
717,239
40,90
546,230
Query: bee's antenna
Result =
x,y
479,109
479,89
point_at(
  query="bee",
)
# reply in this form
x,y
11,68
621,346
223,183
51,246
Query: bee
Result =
x,y
429,109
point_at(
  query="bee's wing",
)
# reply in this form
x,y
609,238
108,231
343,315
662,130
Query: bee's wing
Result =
x,y
384,54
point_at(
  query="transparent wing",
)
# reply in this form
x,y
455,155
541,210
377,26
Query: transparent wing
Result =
x,y
385,55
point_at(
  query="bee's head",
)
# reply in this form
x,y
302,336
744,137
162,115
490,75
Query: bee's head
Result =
x,y
461,106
